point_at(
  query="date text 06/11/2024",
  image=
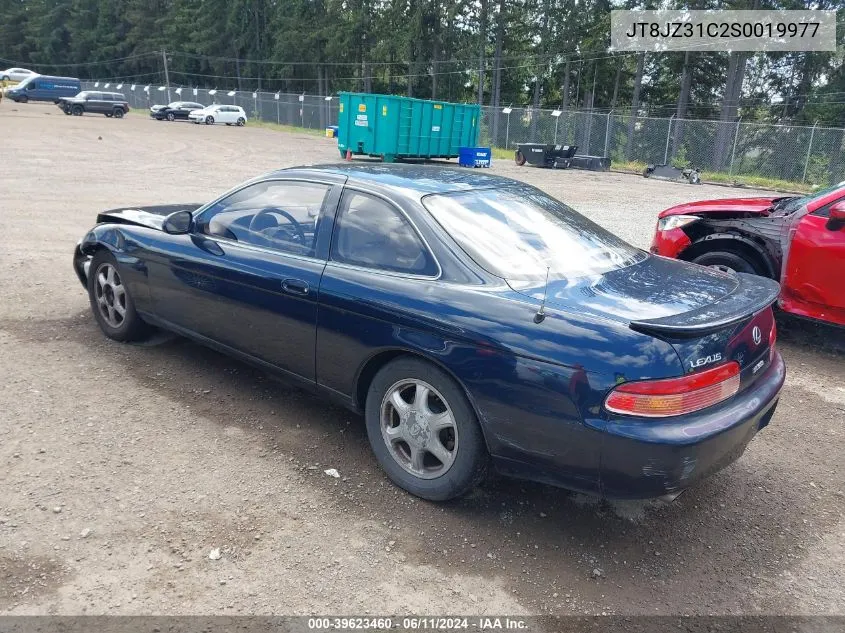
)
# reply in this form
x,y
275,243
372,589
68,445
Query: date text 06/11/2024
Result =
x,y
422,623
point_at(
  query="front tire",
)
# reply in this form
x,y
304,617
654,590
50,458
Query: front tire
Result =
x,y
423,431
209,120
76,110
111,302
519,158
171,117
729,262
23,99
118,113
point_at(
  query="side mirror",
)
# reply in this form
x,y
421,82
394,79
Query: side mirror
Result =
x,y
836,220
178,223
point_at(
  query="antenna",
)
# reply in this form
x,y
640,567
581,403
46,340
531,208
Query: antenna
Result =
x,y
541,313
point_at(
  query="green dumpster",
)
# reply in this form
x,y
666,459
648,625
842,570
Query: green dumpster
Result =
x,y
401,127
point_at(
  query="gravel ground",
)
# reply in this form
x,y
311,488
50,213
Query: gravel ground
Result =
x,y
125,466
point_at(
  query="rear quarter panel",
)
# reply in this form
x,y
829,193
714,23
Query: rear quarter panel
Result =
x,y
538,388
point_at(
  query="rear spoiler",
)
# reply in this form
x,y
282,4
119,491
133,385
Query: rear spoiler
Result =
x,y
751,295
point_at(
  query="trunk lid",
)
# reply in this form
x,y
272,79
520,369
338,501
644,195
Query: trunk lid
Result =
x,y
708,317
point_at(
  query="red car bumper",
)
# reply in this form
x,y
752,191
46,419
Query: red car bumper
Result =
x,y
669,243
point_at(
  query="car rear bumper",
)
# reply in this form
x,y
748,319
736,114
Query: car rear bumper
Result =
x,y
644,458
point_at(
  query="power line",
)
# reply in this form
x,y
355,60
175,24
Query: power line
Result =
x,y
79,64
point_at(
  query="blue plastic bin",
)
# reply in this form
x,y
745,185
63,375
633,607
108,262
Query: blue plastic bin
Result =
x,y
475,156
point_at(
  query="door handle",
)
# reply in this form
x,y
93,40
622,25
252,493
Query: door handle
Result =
x,y
295,286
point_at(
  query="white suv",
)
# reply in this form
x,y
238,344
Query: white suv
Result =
x,y
228,114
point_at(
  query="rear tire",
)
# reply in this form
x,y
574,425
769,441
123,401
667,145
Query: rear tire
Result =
x,y
729,262
109,296
241,121
519,158
443,421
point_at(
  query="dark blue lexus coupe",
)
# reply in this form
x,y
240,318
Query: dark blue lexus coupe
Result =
x,y
474,320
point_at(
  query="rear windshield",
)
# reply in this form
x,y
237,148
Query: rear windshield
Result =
x,y
519,233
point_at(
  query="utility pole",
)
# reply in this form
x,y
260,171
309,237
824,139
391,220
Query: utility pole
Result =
x,y
166,74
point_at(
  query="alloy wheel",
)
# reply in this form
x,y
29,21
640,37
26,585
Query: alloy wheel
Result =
x,y
110,295
723,268
419,428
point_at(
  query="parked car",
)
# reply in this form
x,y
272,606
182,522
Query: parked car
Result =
x,y
44,88
469,317
228,114
798,240
15,74
178,110
112,104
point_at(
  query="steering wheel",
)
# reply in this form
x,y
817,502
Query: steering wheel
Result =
x,y
267,212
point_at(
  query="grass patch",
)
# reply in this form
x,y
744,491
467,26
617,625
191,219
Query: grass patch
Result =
x,y
735,180
628,165
290,129
759,182
502,154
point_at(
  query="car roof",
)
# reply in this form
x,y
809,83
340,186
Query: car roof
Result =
x,y
404,178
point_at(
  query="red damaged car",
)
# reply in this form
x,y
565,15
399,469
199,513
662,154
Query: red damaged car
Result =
x,y
799,241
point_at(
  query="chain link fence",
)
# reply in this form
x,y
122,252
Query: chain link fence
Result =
x,y
813,155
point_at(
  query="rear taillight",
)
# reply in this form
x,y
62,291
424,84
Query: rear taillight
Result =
x,y
675,396
773,336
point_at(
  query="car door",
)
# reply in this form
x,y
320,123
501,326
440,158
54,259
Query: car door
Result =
x,y
248,275
376,252
94,102
226,115
812,278
106,103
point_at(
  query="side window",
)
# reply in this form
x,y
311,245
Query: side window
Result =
x,y
107,97
278,214
373,233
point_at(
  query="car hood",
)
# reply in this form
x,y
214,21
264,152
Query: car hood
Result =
x,y
150,216
759,206
658,289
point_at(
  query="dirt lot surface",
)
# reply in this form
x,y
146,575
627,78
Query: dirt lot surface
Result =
x,y
124,466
